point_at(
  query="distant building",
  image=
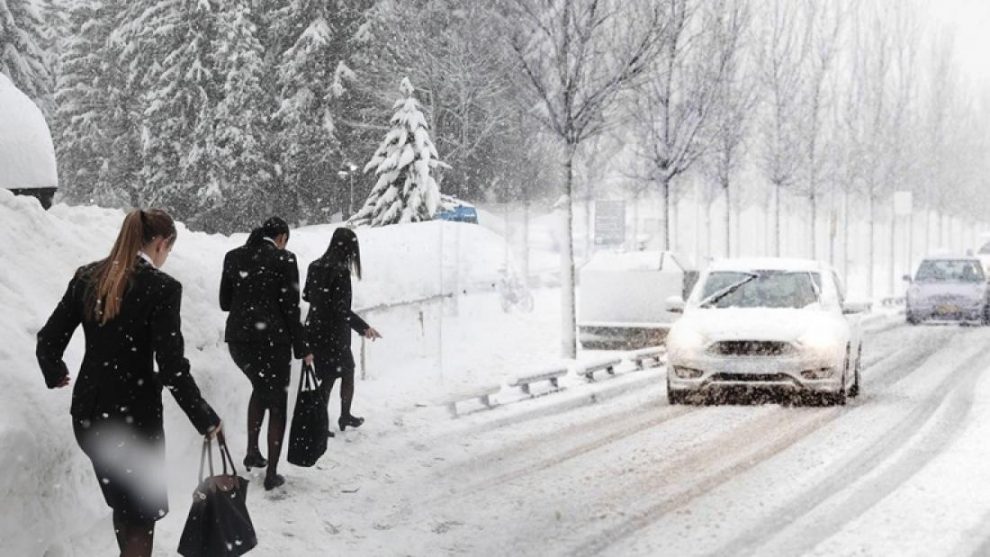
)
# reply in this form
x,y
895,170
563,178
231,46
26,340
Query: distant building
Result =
x,y
27,155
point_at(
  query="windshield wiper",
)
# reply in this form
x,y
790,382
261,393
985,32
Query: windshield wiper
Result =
x,y
718,295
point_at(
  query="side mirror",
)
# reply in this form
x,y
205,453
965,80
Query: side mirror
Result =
x,y
675,304
907,278
853,308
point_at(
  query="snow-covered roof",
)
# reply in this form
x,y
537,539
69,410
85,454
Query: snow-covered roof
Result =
x,y
767,264
27,155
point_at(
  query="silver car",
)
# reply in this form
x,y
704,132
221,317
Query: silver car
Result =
x,y
948,289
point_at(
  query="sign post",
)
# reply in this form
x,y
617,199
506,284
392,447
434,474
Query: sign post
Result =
x,y
610,223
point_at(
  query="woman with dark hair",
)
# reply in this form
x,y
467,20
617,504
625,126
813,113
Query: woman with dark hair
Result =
x,y
129,311
330,319
260,289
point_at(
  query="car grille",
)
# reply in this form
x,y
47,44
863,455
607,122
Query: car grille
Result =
x,y
750,348
751,378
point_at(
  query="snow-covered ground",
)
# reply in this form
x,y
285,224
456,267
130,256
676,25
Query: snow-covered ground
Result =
x,y
605,468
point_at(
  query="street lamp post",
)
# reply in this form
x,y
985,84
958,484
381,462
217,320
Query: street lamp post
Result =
x,y
347,171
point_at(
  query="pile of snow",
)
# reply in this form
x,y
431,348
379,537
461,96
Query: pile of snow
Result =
x,y
27,155
49,497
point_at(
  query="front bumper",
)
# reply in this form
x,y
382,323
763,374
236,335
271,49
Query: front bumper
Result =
x,y
970,311
777,372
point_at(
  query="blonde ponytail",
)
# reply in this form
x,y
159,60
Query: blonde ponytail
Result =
x,y
112,275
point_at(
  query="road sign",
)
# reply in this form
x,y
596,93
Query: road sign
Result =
x,y
610,223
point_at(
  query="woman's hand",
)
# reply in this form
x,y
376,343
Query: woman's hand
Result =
x,y
64,382
372,334
216,432
308,359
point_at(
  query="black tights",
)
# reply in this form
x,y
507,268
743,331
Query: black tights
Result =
x,y
134,538
346,392
276,427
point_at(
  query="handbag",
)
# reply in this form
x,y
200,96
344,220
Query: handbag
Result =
x,y
310,423
218,524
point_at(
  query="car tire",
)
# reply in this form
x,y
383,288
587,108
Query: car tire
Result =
x,y
985,321
675,398
911,318
854,389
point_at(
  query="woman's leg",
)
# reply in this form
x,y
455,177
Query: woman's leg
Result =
x,y
276,432
346,394
256,416
135,538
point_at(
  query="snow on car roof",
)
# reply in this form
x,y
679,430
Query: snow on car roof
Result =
x,y
767,264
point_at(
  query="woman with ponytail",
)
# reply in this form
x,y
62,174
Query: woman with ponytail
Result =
x,y
129,311
331,320
260,289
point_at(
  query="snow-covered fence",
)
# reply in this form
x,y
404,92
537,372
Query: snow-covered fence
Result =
x,y
379,309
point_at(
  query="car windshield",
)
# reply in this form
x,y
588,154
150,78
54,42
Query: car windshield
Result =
x,y
950,270
761,289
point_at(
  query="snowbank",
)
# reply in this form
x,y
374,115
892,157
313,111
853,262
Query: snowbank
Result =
x,y
47,486
27,155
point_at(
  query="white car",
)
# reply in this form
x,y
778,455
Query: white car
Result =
x,y
767,323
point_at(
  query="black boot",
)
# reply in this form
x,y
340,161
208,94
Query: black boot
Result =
x,y
254,460
273,482
349,421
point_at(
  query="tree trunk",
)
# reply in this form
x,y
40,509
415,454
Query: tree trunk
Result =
x,y
845,236
728,220
871,259
665,186
568,297
814,225
525,232
893,251
776,219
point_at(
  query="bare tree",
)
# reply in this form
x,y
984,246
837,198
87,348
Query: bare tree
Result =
x,y
733,107
822,27
781,56
673,112
576,57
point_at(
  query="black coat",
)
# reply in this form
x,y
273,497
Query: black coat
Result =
x,y
117,377
260,289
330,319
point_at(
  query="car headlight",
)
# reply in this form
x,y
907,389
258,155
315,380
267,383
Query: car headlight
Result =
x,y
818,342
688,340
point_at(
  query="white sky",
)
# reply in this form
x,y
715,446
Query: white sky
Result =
x,y
969,22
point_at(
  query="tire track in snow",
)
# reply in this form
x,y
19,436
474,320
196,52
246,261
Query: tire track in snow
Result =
x,y
735,454
955,392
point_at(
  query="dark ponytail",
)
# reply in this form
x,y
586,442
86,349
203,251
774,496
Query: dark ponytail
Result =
x,y
112,274
344,250
272,228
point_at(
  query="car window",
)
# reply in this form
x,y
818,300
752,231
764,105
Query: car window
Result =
x,y
767,289
950,270
839,288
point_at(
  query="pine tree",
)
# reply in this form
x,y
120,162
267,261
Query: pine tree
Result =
x,y
22,50
97,120
311,43
241,123
181,169
405,191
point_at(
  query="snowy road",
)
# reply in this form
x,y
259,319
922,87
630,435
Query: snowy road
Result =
x,y
900,471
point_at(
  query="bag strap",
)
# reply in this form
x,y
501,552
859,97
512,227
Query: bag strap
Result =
x,y
307,380
206,456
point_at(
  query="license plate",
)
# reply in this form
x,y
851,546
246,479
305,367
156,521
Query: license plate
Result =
x,y
947,309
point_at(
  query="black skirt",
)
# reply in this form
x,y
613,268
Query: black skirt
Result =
x,y
129,461
332,363
267,366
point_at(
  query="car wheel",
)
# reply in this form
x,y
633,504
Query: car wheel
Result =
x,y
675,397
911,318
854,389
986,316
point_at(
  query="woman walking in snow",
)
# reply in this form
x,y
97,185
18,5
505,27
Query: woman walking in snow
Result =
x,y
260,289
330,319
129,311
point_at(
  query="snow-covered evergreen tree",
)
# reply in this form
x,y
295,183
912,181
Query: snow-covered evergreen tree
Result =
x,y
406,190
311,42
241,122
180,154
97,122
22,50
